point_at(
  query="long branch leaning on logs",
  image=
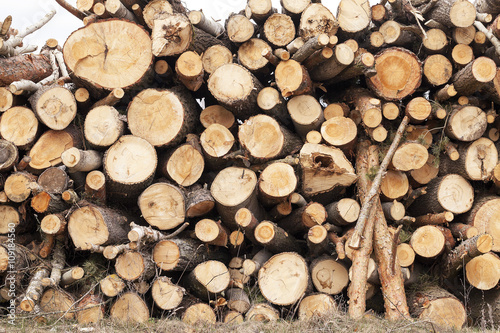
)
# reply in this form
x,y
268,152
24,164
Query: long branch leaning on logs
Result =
x,y
157,147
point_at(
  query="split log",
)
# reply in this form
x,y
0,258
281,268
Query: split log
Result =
x,y
228,202
310,17
325,170
390,86
89,49
265,139
464,253
129,165
129,307
438,306
103,126
482,271
448,193
166,295
328,275
48,149
94,225
162,117
291,270
207,279
242,101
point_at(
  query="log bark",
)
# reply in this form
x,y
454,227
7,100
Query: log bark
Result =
x,y
24,66
474,76
303,218
341,58
453,13
179,254
274,238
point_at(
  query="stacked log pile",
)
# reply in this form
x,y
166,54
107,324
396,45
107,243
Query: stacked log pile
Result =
x,y
159,163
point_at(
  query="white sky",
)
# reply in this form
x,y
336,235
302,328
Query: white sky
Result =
x,y
27,12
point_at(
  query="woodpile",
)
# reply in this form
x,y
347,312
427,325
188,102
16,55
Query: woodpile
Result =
x,y
161,163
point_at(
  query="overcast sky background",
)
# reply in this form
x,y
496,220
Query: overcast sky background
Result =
x,y
27,12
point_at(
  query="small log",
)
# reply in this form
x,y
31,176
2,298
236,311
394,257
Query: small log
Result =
x,y
453,13
394,185
111,99
24,66
306,114
405,255
316,305
340,132
343,212
262,312
17,186
435,41
462,54
410,156
228,202
328,275
428,242
90,310
353,16
216,114
95,186
483,217
184,164
368,106
53,224
242,101
291,270
103,126
129,307
133,265
274,105
276,183
171,34
211,232
102,226
292,79
81,160
207,279
45,202
166,295
239,28
342,57
57,301
438,306
464,253
303,218
251,54
237,300
279,30
482,271
216,142
112,285
189,69
199,20
474,76
179,254
394,87
274,238
317,240
199,313
71,276
393,211
316,43
34,291
199,201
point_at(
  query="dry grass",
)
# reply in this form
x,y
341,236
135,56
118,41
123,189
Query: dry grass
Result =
x,y
337,323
